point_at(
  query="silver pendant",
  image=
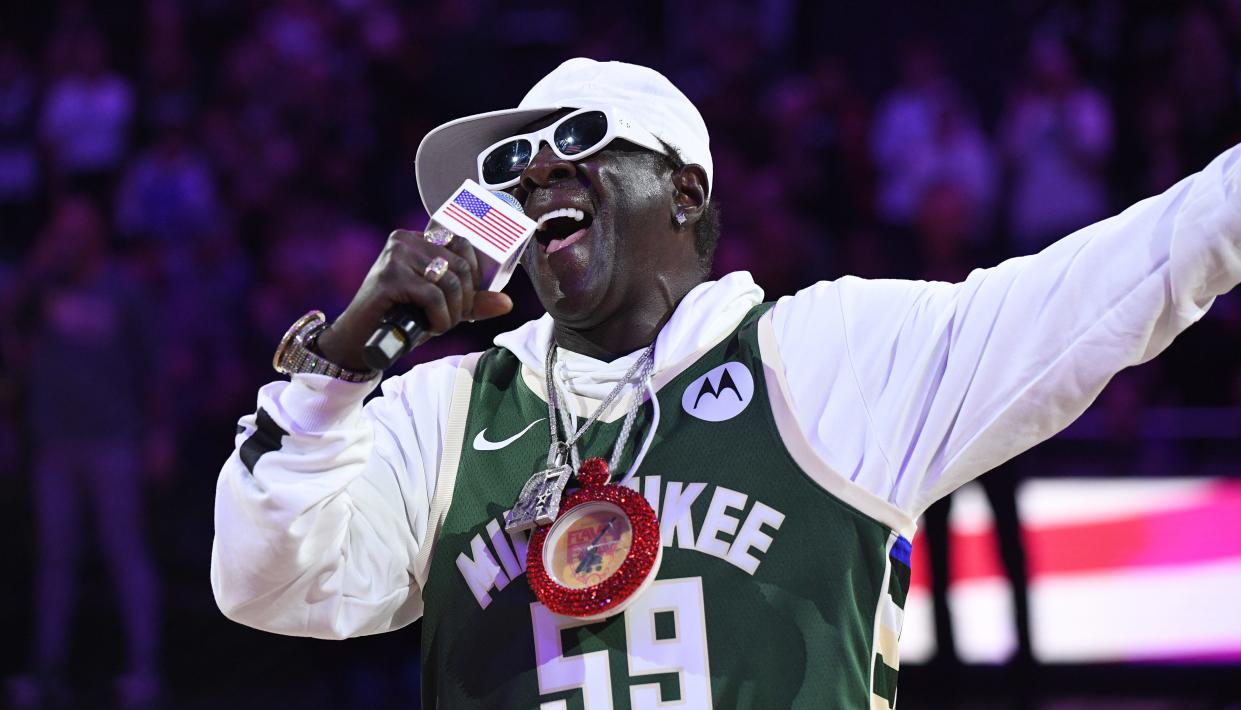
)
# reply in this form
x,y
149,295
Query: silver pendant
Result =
x,y
539,501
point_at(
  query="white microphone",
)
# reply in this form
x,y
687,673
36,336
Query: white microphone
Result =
x,y
500,233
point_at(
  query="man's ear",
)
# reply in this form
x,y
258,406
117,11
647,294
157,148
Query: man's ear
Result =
x,y
690,199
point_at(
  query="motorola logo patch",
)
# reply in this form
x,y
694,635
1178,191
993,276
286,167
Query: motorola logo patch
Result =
x,y
721,394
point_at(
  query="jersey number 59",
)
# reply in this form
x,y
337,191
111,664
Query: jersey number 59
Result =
x,y
683,652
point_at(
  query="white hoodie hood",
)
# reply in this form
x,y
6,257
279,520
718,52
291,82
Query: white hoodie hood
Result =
x,y
707,313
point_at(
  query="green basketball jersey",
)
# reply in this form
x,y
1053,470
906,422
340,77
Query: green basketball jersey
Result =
x,y
776,590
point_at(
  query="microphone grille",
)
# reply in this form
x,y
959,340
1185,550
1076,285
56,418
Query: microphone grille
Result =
x,y
512,201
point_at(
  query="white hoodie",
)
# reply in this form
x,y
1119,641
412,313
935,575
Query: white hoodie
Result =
x,y
907,389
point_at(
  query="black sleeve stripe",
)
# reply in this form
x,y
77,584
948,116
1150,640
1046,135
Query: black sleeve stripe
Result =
x,y
267,437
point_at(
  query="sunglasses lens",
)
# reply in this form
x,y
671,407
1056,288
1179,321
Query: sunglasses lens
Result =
x,y
581,132
506,161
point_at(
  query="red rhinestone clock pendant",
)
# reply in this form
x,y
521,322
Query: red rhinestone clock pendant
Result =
x,y
601,552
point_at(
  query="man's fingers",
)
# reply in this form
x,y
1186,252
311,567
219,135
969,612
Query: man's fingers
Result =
x,y
465,250
489,304
450,285
454,296
463,270
428,296
404,237
461,261
399,276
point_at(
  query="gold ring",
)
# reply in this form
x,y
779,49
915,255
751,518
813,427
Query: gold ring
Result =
x,y
438,237
436,269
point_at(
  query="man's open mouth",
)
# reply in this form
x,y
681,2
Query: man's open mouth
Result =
x,y
562,227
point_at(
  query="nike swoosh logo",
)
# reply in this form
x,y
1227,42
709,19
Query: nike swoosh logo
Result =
x,y
481,443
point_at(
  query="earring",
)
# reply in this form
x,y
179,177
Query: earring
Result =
x,y
680,217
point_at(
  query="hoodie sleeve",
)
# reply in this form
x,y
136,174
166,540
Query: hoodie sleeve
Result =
x,y
912,389
323,506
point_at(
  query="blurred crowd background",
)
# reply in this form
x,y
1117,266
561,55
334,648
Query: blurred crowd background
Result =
x,y
179,180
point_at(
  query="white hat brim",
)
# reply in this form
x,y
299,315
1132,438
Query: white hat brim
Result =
x,y
449,153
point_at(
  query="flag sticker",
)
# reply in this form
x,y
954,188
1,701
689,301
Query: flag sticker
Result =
x,y
491,225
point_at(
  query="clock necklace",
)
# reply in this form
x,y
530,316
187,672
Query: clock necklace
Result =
x,y
596,549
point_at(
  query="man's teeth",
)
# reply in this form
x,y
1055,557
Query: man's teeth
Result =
x,y
576,214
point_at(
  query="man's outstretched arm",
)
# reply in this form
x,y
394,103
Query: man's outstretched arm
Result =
x,y
913,388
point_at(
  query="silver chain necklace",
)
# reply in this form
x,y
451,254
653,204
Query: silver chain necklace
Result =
x,y
539,500
641,368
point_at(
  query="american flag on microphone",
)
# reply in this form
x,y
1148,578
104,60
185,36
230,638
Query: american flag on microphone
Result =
x,y
493,226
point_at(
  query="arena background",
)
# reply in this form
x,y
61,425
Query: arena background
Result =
x,y
238,163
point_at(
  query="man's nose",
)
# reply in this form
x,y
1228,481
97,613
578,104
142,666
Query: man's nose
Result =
x,y
545,168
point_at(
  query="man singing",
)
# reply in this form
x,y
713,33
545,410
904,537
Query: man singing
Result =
x,y
786,448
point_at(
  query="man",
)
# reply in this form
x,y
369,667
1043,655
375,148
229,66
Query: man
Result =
x,y
790,451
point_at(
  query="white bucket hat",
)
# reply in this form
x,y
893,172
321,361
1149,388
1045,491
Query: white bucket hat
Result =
x,y
448,154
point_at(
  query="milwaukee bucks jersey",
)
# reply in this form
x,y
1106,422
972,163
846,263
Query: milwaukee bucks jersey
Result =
x,y
782,584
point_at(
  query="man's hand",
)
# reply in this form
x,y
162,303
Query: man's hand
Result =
x,y
397,278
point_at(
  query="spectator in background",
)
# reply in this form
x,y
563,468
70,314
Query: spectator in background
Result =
x,y
1163,162
927,137
20,191
91,388
960,155
946,225
313,248
171,219
720,65
86,116
1200,77
764,230
253,153
1057,140
168,194
297,30
818,123
166,87
904,132
20,179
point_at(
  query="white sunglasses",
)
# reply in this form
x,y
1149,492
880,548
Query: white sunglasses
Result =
x,y
575,136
